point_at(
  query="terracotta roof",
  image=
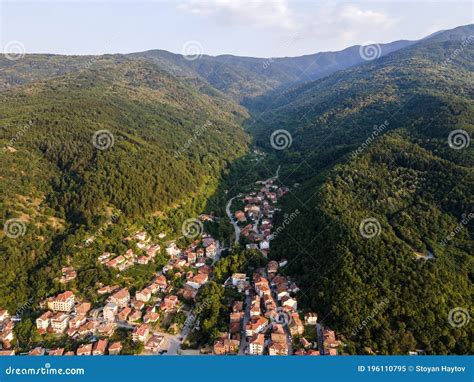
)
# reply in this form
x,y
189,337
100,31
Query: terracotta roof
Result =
x,y
257,339
122,293
115,346
84,349
200,278
101,346
63,297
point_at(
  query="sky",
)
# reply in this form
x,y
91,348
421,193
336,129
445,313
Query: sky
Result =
x,y
259,28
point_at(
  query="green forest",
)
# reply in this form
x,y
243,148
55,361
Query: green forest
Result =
x,y
171,144
104,146
405,176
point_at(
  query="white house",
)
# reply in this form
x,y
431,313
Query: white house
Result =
x,y
289,301
110,311
256,344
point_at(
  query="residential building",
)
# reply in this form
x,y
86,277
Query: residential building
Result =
x,y
143,260
211,250
124,313
63,302
256,324
282,291
143,295
43,321
88,328
137,305
329,338
278,337
4,316
236,316
305,343
110,311
295,325
100,347
172,250
68,274
310,318
207,241
225,345
56,352
135,316
289,301
238,278
169,303
238,306
121,298
59,322
77,322
255,310
140,236
272,266
256,344
154,343
6,336
151,317
140,333
85,349
240,216
234,327
83,308
197,281
115,348
106,329
278,348
161,282
37,351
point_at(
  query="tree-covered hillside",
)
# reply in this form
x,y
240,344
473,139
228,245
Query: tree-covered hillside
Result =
x,y
253,80
376,153
384,184
241,78
119,136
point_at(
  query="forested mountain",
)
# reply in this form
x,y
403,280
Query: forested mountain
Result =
x,y
372,142
369,140
244,78
161,142
241,78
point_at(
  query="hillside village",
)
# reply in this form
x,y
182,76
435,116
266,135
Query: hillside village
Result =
x,y
159,317
268,320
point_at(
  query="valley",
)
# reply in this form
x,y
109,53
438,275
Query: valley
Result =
x,y
154,204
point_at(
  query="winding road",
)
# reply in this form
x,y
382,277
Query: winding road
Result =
x,y
231,218
229,203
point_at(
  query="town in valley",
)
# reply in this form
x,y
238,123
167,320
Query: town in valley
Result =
x,y
265,317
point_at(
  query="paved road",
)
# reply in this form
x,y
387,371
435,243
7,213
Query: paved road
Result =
x,y
289,342
173,343
174,340
218,252
277,174
234,223
319,333
243,341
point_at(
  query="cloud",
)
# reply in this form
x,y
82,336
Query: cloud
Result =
x,y
335,26
324,25
257,13
353,15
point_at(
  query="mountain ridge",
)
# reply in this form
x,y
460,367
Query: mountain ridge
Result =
x,y
370,145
